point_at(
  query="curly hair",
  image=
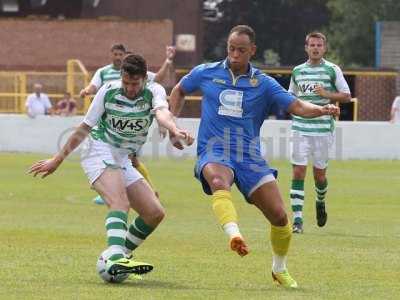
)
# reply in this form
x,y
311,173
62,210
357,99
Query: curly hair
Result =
x,y
134,64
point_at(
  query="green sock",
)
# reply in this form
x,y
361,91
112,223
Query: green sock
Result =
x,y
116,232
297,200
138,231
321,188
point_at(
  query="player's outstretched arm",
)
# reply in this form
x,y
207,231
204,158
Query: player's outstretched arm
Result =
x,y
168,64
48,166
309,110
176,100
165,119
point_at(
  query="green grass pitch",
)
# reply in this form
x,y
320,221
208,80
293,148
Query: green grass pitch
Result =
x,y
51,235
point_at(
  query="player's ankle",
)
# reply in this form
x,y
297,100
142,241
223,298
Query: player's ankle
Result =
x,y
231,229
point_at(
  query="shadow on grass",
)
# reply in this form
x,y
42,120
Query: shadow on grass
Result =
x,y
157,284
343,234
168,285
143,284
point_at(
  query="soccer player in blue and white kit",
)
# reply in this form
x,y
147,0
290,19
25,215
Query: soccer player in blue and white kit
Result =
x,y
236,100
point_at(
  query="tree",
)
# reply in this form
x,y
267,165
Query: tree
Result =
x,y
351,29
280,25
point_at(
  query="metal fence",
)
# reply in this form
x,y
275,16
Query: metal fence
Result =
x,y
16,86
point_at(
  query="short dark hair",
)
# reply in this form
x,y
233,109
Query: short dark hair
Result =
x,y
118,47
134,64
316,34
244,29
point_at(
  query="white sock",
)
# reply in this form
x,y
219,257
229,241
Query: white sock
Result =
x,y
231,229
127,251
278,263
297,214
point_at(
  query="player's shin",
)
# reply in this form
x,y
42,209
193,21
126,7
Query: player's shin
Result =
x,y
225,212
116,231
297,200
227,218
138,231
280,241
321,188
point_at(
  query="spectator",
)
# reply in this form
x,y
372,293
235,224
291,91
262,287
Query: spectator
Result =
x,y
66,107
395,112
37,103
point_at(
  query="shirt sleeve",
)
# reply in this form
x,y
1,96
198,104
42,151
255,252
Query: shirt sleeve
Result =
x,y
278,94
159,96
96,80
96,109
28,101
151,76
340,83
47,103
293,87
191,82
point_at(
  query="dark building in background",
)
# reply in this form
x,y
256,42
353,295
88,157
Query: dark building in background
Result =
x,y
49,8
44,43
186,17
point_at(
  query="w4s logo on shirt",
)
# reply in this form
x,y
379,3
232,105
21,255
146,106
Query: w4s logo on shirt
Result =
x,y
128,125
308,87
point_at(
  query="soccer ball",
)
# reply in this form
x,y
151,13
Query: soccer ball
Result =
x,y
102,269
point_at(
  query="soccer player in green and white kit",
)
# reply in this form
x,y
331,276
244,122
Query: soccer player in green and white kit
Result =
x,y
123,111
112,72
320,82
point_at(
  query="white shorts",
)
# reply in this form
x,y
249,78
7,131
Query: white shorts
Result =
x,y
96,156
315,147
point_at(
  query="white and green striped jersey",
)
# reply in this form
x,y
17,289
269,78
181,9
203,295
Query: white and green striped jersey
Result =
x,y
122,122
109,73
302,83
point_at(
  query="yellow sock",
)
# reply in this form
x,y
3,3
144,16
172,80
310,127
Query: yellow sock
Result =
x,y
223,207
145,173
280,239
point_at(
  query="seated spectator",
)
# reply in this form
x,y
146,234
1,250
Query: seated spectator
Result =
x,y
37,103
66,107
395,112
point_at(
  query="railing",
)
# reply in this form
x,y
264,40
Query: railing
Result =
x,y
13,100
72,87
14,86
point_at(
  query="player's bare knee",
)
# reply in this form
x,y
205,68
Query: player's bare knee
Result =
x,y
279,218
159,215
154,217
219,183
299,172
319,177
